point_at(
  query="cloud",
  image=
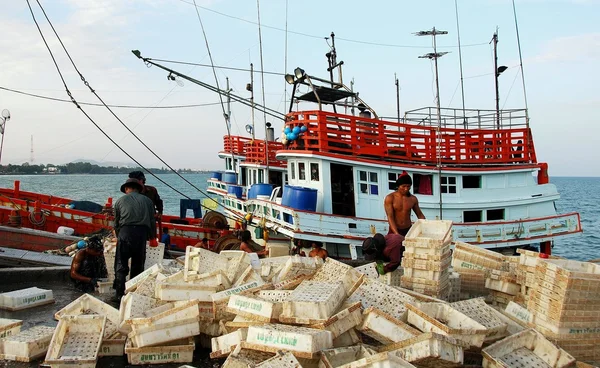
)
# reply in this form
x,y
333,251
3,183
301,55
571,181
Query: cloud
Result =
x,y
584,47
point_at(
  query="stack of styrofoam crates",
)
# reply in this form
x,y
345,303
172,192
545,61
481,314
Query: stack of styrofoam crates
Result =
x,y
427,257
503,287
474,263
565,303
528,260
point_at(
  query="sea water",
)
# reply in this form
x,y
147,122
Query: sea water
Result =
x,y
577,195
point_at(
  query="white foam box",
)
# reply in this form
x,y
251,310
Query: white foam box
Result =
x,y
224,344
392,278
134,306
221,298
348,338
178,351
274,295
429,350
297,265
339,357
479,311
154,255
25,298
199,261
277,250
313,301
9,327
349,317
503,282
443,319
184,291
211,328
113,342
244,358
26,345
301,341
528,348
380,360
372,293
238,261
281,360
131,285
104,287
333,271
147,286
429,233
254,308
473,257
76,342
385,328
369,270
249,275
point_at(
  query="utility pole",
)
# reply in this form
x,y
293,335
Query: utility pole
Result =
x,y
435,55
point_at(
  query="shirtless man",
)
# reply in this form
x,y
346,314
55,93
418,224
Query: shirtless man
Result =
x,y
398,205
318,251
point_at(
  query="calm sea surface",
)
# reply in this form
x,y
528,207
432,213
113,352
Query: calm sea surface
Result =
x,y
577,195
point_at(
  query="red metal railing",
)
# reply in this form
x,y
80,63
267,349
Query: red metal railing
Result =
x,y
393,141
235,144
256,153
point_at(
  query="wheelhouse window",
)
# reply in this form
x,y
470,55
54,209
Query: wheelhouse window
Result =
x,y
392,176
495,215
368,182
422,184
301,171
314,171
471,181
293,169
449,184
261,175
472,216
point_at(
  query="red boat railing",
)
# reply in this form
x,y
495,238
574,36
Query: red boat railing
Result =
x,y
256,153
329,132
235,144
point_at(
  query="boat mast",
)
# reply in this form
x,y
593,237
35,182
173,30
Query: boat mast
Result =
x,y
435,55
462,85
496,74
250,88
397,96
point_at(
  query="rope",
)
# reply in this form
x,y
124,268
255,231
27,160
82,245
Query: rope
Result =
x,y
262,82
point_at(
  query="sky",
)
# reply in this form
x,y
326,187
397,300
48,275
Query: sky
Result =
x,y
559,39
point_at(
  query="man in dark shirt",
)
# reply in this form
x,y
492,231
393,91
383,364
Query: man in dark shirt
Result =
x,y
88,266
149,191
388,248
134,224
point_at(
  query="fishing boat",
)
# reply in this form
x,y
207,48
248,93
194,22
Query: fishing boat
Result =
x,y
327,177
40,222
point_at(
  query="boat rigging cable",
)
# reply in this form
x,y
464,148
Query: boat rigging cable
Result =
x,y
462,85
101,105
262,84
102,101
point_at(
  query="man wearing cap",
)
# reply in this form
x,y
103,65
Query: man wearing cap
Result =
x,y
399,204
134,224
88,266
149,191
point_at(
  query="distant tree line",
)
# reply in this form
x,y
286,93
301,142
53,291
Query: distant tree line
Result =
x,y
78,168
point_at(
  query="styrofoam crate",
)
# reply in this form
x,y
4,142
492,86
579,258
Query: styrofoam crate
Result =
x,y
429,350
346,339
504,282
76,341
432,233
338,357
392,278
238,261
385,328
443,319
178,351
221,298
430,265
254,308
132,284
244,358
297,265
292,283
147,286
26,345
154,255
455,282
477,310
249,275
436,275
199,261
9,327
301,341
378,360
104,287
369,270
184,291
419,296
274,295
388,299
169,312
513,325
224,344
333,271
435,288
159,333
113,342
239,322
473,257
420,252
281,360
278,250
25,298
519,313
526,349
529,258
312,302
349,317
211,328
134,306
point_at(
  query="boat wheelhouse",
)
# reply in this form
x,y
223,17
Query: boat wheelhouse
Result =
x,y
477,168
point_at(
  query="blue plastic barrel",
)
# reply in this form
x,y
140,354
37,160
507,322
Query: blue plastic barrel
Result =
x,y
216,175
229,177
259,189
299,198
235,190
